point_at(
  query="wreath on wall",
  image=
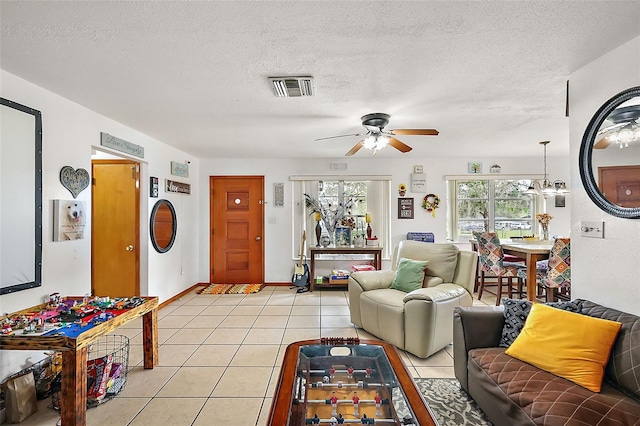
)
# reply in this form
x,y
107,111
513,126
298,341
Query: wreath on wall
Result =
x,y
430,203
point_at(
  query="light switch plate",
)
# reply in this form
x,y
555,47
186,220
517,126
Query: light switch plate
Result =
x,y
592,229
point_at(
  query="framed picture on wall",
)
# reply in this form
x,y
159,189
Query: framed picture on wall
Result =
x,y
405,208
560,201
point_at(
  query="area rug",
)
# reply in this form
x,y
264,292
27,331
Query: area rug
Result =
x,y
231,289
449,403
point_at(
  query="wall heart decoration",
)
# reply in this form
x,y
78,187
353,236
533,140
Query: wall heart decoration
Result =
x,y
74,180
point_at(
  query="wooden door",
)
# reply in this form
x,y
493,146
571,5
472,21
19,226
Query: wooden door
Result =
x,y
236,234
620,185
115,258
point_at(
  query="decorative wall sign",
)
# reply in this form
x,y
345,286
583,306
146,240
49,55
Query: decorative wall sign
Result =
x,y
179,169
121,145
69,220
418,182
74,180
179,187
405,208
278,194
153,187
418,169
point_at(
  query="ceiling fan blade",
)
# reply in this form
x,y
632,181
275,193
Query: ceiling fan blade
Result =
x,y
614,126
339,136
602,143
355,148
426,132
400,146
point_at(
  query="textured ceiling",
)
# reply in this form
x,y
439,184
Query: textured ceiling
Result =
x,y
490,76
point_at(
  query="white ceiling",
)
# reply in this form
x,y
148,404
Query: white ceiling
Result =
x,y
490,76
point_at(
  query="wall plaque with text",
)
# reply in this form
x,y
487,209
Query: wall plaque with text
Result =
x,y
405,208
179,187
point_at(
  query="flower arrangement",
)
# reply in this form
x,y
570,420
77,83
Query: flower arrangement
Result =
x,y
544,219
402,189
331,215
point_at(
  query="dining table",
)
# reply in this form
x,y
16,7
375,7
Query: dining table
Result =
x,y
531,251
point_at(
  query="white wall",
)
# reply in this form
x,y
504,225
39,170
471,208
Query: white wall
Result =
x,y
70,132
279,239
603,270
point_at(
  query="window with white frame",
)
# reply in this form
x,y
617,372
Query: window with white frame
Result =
x,y
357,195
498,205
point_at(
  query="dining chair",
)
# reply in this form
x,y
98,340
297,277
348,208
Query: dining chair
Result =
x,y
492,261
557,282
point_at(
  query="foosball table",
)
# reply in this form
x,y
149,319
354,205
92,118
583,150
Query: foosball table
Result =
x,y
335,381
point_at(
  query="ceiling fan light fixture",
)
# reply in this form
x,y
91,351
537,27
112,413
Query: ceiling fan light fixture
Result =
x,y
381,142
369,142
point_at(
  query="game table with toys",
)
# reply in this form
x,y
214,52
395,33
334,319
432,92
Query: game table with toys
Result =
x,y
69,325
338,380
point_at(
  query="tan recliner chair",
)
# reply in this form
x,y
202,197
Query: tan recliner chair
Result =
x,y
421,321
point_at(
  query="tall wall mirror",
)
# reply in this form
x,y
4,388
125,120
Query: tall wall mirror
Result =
x,y
610,155
20,197
163,226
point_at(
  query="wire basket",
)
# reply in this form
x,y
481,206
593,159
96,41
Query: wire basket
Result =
x,y
107,365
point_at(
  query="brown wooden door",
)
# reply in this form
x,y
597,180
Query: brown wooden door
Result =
x,y
115,257
236,220
620,185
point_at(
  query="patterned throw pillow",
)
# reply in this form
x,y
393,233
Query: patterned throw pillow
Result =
x,y
516,312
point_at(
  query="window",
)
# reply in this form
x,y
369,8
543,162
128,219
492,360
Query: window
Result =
x,y
364,194
489,205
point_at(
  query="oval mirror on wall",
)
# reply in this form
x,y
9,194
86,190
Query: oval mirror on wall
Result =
x,y
610,155
163,226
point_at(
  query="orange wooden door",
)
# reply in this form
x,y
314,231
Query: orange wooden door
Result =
x,y
115,215
620,185
236,220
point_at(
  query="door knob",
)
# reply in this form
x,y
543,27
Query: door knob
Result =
x,y
129,247
258,238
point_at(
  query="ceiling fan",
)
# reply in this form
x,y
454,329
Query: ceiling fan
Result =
x,y
376,138
625,128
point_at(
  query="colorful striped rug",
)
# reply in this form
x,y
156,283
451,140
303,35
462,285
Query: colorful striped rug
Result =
x,y
231,289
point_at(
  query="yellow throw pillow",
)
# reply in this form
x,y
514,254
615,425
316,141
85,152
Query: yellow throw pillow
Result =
x,y
567,344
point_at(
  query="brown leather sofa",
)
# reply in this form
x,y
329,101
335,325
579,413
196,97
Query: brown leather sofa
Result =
x,y
512,392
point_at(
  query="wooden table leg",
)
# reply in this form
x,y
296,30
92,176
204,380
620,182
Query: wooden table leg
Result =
x,y
73,395
312,272
150,338
532,275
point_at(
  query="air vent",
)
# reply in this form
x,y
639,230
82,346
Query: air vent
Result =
x,y
292,86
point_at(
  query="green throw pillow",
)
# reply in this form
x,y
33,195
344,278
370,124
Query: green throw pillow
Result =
x,y
409,275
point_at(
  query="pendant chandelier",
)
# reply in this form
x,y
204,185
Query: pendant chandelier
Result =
x,y
547,187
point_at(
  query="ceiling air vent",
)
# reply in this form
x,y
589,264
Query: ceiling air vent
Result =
x,y
292,86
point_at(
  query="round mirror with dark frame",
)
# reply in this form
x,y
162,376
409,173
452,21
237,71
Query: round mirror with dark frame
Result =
x,y
163,226
610,155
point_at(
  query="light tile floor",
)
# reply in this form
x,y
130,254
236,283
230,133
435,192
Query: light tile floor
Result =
x,y
220,357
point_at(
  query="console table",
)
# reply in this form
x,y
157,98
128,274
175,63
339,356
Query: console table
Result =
x,y
376,252
73,402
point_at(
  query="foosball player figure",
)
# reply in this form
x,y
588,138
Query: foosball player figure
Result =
x,y
334,404
316,419
340,419
378,401
332,372
350,372
364,420
356,402
368,372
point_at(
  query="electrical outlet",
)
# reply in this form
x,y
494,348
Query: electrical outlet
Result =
x,y
592,229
